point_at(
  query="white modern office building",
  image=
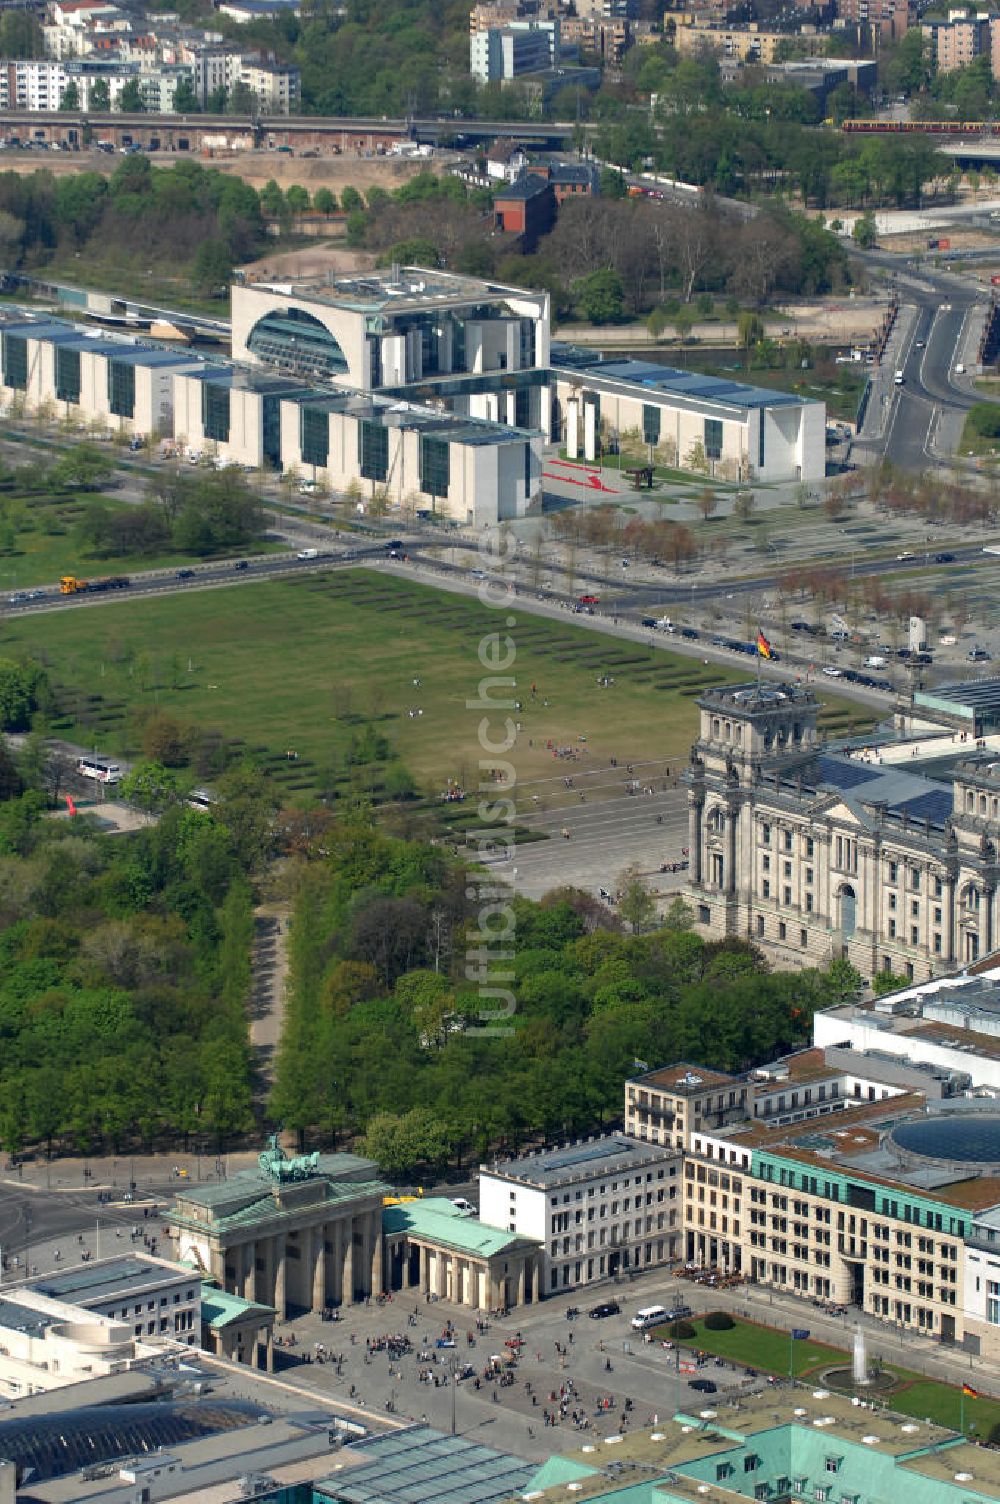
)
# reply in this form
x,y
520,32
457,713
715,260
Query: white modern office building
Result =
x,y
500,53
149,1296
472,471
49,365
599,1208
686,419
389,329
434,392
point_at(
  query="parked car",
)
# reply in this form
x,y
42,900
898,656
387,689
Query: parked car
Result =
x,y
606,1308
978,655
703,1386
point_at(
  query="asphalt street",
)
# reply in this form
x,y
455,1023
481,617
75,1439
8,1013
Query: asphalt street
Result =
x,y
42,1231
927,364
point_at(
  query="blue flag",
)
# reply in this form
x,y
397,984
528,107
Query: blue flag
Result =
x,y
799,1334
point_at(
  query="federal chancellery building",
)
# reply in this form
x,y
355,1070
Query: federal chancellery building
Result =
x,y
817,853
439,390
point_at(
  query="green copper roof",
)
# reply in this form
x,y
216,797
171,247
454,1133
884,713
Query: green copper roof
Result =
x,y
439,1221
260,1205
220,1309
557,1471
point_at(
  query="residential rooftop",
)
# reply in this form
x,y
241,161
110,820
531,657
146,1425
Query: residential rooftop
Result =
x,y
686,1080
587,1159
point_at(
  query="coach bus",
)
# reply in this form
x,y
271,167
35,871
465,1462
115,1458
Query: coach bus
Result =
x,y
99,770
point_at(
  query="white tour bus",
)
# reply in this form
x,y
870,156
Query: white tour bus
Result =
x,y
99,770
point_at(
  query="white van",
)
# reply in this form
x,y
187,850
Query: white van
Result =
x,y
649,1316
898,378
875,660
308,553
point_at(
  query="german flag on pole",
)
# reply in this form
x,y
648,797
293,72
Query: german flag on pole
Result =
x,y
972,1393
763,646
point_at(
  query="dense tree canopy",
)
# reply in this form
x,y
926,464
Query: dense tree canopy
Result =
x,y
123,975
381,1024
163,215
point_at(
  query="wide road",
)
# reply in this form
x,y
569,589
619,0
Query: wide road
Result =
x,y
219,573
944,302
928,359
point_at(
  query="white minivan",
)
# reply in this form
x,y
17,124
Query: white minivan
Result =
x,y
649,1316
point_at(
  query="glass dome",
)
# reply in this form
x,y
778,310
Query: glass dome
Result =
x,y
966,1138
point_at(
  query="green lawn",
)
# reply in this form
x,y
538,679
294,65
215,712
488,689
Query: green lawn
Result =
x,y
761,1347
767,1350
47,547
974,441
299,664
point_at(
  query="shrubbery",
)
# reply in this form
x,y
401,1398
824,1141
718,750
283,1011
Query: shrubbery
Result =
x,y
719,1321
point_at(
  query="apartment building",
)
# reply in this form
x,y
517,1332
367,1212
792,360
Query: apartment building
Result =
x,y
881,20
959,40
696,33
500,53
666,1106
817,853
72,27
604,37
276,87
599,1207
863,1170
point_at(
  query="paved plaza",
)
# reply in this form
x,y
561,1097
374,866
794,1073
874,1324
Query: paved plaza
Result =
x,y
642,1381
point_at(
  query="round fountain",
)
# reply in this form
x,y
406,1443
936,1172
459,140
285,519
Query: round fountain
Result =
x,y
860,1379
